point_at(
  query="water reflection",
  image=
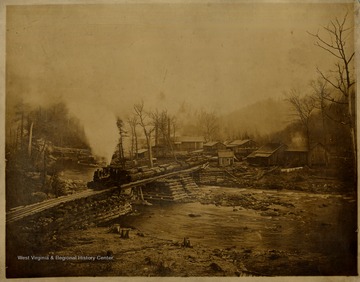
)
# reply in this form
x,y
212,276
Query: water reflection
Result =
x,y
75,171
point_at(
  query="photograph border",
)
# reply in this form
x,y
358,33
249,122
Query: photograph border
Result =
x,y
6,3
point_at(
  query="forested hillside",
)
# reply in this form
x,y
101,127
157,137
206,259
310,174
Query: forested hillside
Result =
x,y
32,133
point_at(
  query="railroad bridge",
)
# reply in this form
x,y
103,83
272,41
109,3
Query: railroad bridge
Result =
x,y
93,207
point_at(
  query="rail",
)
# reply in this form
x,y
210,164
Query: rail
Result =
x,y
20,212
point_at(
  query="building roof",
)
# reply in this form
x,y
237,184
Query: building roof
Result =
x,y
313,146
212,143
231,145
239,142
225,154
270,148
197,151
266,151
140,151
263,155
189,139
296,149
252,155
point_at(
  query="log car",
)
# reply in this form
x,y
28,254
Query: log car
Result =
x,y
110,176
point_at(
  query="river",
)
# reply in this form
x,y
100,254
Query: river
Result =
x,y
76,171
305,223
312,224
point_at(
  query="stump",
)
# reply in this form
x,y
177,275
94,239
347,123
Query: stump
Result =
x,y
186,243
125,233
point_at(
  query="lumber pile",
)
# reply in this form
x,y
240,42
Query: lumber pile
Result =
x,y
165,190
189,185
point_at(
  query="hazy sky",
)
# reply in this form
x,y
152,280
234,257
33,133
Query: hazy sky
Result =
x,y
102,59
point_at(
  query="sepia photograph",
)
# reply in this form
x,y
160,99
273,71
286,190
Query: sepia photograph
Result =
x,y
180,139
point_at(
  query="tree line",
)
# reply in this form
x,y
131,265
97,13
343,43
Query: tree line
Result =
x,y
46,125
323,111
332,96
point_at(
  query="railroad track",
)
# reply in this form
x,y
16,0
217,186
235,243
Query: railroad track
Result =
x,y
18,213
24,211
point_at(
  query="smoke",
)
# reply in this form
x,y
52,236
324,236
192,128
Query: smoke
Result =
x,y
100,127
297,140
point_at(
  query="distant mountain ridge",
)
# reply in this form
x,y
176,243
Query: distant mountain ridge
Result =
x,y
261,118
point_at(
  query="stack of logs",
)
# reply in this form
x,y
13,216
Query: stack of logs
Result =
x,y
165,190
226,177
212,177
189,185
146,172
174,189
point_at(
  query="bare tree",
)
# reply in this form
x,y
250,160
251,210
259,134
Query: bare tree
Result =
x,y
122,132
338,45
164,125
303,108
174,126
156,121
148,128
30,139
208,123
21,109
133,122
321,97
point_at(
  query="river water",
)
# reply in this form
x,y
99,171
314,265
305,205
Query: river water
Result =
x,y
211,225
313,224
75,171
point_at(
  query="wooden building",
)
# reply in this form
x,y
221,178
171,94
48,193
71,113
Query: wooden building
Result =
x,y
161,151
242,148
318,155
268,155
296,157
142,153
188,144
226,158
213,147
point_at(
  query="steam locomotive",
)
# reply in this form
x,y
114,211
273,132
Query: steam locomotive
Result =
x,y
113,175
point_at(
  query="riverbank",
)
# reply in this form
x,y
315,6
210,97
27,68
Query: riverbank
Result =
x,y
315,180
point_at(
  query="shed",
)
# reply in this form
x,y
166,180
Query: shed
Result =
x,y
269,154
242,148
142,153
318,155
226,158
296,156
213,147
184,143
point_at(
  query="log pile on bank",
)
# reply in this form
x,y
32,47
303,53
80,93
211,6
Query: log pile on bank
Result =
x,y
171,189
